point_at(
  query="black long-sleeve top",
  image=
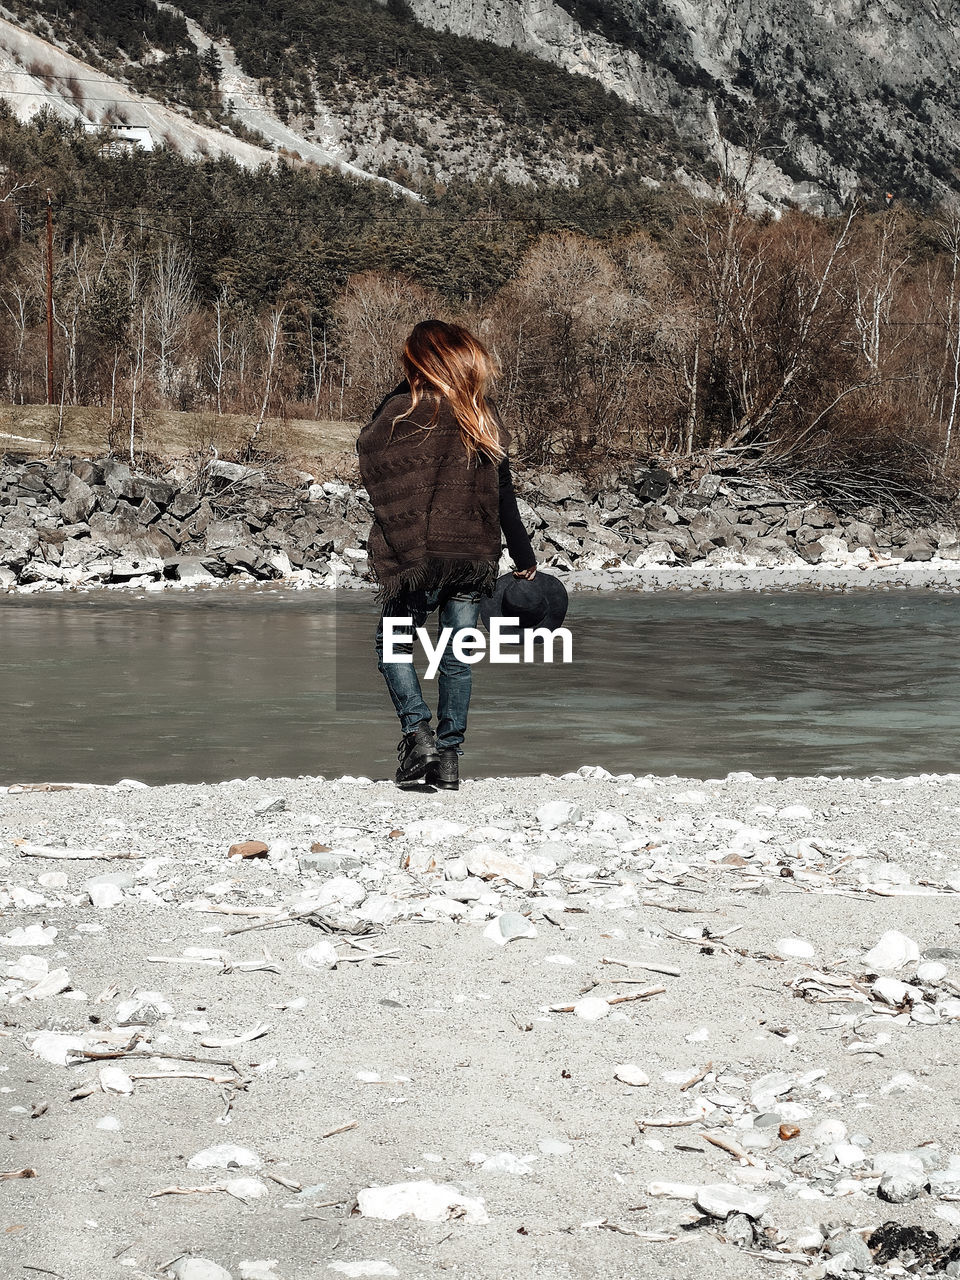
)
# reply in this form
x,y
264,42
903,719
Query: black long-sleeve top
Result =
x,y
512,527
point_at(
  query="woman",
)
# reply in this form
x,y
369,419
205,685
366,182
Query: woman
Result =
x,y
434,462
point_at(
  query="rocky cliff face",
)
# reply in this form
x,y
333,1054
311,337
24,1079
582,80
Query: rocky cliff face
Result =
x,y
847,94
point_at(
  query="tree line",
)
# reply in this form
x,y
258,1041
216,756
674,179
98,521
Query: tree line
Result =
x,y
626,321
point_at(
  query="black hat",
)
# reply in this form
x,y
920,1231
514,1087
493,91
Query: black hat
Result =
x,y
540,601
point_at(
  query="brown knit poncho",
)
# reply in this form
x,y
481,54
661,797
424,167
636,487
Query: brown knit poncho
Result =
x,y
436,514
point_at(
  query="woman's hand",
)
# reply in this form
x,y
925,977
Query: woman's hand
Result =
x,y
526,573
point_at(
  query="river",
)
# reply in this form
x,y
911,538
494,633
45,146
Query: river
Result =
x,y
206,686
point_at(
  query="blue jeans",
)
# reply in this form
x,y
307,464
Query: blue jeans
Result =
x,y
458,609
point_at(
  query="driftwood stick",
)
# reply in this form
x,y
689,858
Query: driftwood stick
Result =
x,y
98,1054
697,1078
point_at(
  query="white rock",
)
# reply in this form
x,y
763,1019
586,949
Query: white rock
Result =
x,y
558,813
899,1083
507,1162
339,891
672,1190
899,1185
799,948
29,968
893,991
721,1199
53,1047
142,1007
363,1268
946,1182
507,926
591,1008
198,1269
490,864
552,1147
320,957
903,1176
115,1080
795,813
931,972
33,935
630,1074
892,951
426,1201
104,896
848,1154
258,1270
765,1091
54,879
108,1123
51,984
828,1132
224,1156
246,1189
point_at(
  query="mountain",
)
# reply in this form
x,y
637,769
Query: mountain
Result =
x,y
846,95
798,100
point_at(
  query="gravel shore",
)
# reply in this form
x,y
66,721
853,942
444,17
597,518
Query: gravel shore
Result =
x,y
448,1008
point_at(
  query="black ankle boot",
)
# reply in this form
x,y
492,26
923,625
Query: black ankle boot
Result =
x,y
417,752
445,774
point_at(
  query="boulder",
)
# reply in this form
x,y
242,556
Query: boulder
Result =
x,y
821,517
859,534
17,546
247,558
78,500
115,475
917,551
148,511
137,567
553,488
189,570
232,472
138,488
89,472
650,485
812,552
183,504
223,534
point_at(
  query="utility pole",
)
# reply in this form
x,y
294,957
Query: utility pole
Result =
x,y
49,298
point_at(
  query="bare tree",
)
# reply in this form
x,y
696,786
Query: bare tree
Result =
x,y
170,305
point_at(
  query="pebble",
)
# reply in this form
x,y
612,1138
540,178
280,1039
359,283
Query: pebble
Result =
x,y
509,925
719,1200
853,1245
798,948
224,1156
491,864
269,804
373,1268
627,1073
319,958
558,813
426,1201
893,951
591,1008
198,1269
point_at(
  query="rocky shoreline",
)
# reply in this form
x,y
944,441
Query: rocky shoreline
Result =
x,y
82,524
575,1026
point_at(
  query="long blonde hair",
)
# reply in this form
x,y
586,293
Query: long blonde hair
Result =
x,y
446,362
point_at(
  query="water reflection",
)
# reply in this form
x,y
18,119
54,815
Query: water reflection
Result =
x,y
203,687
